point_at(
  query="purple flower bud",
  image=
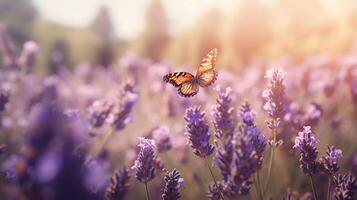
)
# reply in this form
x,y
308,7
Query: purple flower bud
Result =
x,y
247,115
119,185
145,163
4,99
173,184
224,158
313,113
274,94
162,138
119,115
224,114
329,163
214,192
98,113
28,55
198,132
345,184
306,143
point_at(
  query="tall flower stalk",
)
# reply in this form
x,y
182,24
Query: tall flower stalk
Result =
x,y
329,165
306,143
274,98
173,184
145,164
198,134
119,184
117,114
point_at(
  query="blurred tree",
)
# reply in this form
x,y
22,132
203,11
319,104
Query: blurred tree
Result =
x,y
103,26
251,28
156,36
18,17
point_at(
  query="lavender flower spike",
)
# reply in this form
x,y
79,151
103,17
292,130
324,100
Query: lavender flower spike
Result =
x,y
145,163
198,132
329,163
173,183
119,185
99,112
119,116
274,94
345,184
225,119
162,138
306,143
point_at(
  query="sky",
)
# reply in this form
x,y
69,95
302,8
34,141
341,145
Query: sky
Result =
x,y
128,16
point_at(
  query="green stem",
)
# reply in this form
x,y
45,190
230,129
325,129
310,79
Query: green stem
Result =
x,y
147,191
313,187
214,179
328,188
257,187
260,186
103,143
271,160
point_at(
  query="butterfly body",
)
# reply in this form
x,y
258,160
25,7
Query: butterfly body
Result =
x,y
188,84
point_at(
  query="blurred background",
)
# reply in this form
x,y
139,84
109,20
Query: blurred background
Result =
x,y
100,31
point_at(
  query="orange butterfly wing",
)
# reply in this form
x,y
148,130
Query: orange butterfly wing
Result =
x,y
183,80
177,78
188,89
206,72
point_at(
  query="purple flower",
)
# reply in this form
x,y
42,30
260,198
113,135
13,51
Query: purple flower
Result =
x,y
329,163
2,148
48,166
313,113
214,191
28,55
98,112
225,119
162,138
345,185
119,185
4,99
247,115
224,158
258,139
306,143
274,94
145,163
131,63
119,116
198,133
9,166
173,184
97,176
51,165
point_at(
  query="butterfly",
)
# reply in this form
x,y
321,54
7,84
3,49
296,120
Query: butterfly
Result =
x,y
188,84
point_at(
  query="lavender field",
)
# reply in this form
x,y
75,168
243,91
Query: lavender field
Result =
x,y
88,116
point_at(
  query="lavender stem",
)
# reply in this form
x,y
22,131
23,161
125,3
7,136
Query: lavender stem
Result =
x,y
328,187
103,143
260,186
313,187
271,160
257,188
214,179
147,191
